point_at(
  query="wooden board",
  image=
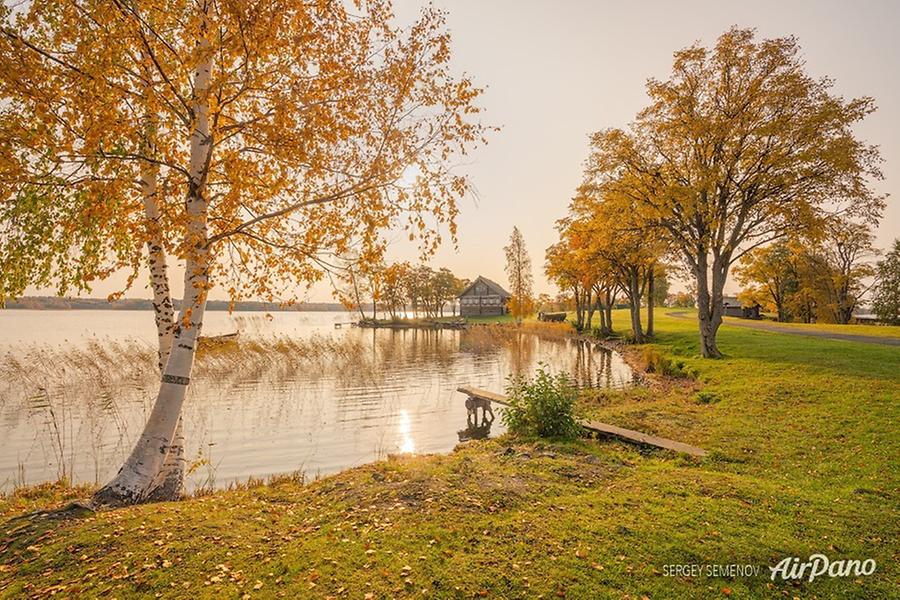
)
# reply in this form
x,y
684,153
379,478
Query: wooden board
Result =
x,y
628,435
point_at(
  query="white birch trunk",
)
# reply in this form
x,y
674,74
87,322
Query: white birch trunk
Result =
x,y
143,476
171,477
163,310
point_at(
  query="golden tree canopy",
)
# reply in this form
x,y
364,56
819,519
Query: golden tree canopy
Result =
x,y
328,125
739,146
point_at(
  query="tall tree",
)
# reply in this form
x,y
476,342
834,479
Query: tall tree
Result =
x,y
597,275
393,279
837,267
886,298
773,269
445,287
739,146
267,137
518,270
619,244
562,268
661,285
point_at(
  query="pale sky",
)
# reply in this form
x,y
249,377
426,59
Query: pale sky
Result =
x,y
557,70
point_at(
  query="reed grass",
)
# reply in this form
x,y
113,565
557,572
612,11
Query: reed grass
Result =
x,y
101,363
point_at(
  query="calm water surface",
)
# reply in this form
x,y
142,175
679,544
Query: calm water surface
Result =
x,y
75,390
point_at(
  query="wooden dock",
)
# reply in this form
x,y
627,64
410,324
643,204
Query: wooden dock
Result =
x,y
628,435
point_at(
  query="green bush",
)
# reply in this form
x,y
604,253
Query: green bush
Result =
x,y
543,405
601,334
707,397
657,363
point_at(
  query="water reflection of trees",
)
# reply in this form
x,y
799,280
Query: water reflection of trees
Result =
x,y
412,346
523,348
592,366
587,363
289,391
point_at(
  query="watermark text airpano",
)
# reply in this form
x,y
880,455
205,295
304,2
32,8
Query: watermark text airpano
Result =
x,y
816,566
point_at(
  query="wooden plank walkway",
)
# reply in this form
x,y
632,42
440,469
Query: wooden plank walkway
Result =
x,y
629,435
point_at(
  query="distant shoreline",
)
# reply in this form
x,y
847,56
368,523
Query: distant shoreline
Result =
x,y
54,303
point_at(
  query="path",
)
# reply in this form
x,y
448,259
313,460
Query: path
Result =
x,y
767,326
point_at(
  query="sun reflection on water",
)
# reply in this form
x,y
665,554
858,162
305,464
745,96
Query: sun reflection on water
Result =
x,y
407,444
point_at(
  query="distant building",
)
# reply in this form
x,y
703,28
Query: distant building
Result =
x,y
735,308
483,297
866,316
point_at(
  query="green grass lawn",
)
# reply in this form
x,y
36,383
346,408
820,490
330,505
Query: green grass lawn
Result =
x,y
804,458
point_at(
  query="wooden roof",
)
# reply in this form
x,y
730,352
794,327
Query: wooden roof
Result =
x,y
493,286
733,301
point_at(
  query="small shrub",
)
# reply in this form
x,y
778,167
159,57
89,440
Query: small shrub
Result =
x,y
707,397
601,334
543,406
654,362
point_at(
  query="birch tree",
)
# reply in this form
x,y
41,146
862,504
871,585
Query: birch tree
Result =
x,y
253,142
573,263
561,268
739,147
518,270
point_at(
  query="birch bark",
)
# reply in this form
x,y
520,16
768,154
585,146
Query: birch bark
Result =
x,y
148,472
171,476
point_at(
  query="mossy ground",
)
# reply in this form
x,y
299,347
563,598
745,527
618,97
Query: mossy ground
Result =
x,y
804,459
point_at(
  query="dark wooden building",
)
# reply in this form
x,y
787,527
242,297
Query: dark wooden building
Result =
x,y
483,297
735,308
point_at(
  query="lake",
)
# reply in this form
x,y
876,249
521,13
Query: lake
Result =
x,y
77,386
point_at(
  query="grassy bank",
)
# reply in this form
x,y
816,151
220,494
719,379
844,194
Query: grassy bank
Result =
x,y
804,459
